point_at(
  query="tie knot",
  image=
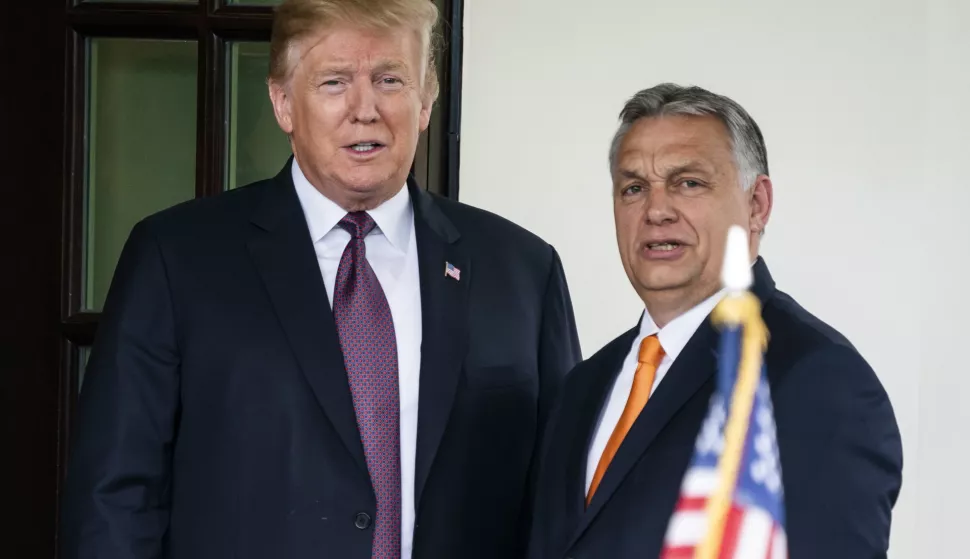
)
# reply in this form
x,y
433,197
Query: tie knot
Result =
x,y
358,224
650,351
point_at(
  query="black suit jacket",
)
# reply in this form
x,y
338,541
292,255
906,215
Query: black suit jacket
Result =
x,y
841,455
216,420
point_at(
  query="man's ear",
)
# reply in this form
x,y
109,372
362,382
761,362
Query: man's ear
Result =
x,y
282,105
429,94
424,117
760,202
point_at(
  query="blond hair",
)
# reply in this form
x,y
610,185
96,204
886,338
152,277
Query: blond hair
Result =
x,y
297,19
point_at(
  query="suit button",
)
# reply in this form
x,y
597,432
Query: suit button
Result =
x,y
362,520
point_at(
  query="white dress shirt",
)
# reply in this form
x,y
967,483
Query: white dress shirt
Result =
x,y
393,254
673,337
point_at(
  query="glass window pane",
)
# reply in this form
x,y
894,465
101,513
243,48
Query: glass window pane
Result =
x,y
256,147
141,123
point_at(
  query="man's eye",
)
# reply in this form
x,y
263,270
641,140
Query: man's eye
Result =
x,y
391,81
331,83
691,183
633,189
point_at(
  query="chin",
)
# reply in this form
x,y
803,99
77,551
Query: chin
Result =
x,y
663,280
366,181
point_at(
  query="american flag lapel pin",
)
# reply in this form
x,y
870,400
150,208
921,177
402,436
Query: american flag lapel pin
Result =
x,y
452,271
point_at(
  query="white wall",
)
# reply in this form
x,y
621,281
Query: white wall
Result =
x,y
865,106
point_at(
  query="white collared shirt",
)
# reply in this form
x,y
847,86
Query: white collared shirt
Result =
x,y
393,254
673,337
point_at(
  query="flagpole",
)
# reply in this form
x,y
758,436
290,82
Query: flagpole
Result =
x,y
739,309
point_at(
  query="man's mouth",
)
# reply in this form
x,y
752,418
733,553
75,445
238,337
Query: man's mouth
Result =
x,y
365,147
664,246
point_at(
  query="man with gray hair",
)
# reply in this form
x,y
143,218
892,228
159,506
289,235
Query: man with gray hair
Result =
x,y
686,165
332,362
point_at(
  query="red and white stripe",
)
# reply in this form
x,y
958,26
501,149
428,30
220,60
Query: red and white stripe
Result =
x,y
748,533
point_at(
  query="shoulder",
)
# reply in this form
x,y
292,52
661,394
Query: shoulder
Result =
x,y
814,367
796,333
203,216
485,230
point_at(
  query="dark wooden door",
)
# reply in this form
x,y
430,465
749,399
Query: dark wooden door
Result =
x,y
31,188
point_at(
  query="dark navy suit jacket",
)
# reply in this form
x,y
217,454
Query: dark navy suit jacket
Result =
x,y
841,455
216,421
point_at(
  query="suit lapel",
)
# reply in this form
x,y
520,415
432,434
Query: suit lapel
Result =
x,y
692,369
583,422
444,312
283,253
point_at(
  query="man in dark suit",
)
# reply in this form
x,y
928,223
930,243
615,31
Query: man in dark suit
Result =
x,y
687,165
331,362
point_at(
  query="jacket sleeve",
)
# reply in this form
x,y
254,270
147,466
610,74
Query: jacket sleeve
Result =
x,y
841,457
117,492
559,351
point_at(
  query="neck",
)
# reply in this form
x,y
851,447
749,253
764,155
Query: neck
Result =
x,y
351,204
665,306
353,200
349,197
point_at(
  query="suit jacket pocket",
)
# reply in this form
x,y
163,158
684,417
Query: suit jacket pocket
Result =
x,y
496,376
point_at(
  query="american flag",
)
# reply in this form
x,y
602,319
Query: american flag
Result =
x,y
754,521
450,270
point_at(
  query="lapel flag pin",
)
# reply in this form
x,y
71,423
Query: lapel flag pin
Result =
x,y
451,271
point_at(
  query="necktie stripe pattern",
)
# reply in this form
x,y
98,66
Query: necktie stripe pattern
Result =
x,y
369,346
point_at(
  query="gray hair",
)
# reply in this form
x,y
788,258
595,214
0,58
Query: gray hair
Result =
x,y
750,154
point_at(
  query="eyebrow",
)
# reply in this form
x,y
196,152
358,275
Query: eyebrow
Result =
x,y
388,66
337,70
689,167
628,174
345,70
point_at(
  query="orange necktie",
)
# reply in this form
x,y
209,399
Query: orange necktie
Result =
x,y
647,362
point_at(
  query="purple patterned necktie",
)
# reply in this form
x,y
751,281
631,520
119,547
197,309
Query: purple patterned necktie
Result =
x,y
366,332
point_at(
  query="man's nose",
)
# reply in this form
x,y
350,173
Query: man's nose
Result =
x,y
659,207
363,104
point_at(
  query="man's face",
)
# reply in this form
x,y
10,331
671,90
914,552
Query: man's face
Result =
x,y
354,107
676,192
